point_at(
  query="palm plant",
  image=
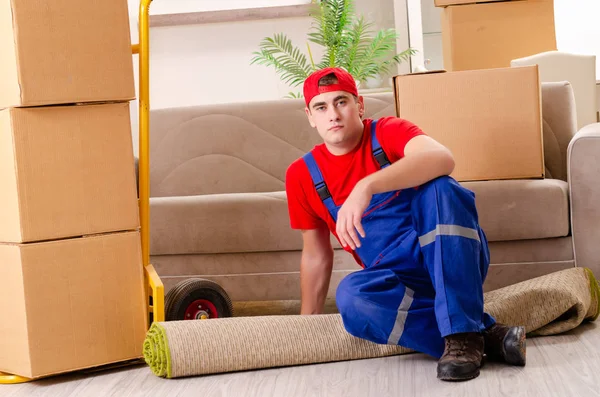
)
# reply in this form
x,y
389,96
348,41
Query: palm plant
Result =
x,y
348,43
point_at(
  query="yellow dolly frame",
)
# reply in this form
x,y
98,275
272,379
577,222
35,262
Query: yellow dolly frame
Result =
x,y
155,289
156,292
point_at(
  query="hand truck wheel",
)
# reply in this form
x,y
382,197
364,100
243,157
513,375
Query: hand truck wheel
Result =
x,y
197,299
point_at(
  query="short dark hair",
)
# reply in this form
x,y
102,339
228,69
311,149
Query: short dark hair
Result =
x,y
331,79
328,79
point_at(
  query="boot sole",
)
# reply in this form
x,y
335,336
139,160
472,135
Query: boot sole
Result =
x,y
515,346
452,375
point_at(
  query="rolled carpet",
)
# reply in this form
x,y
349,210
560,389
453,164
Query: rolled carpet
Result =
x,y
546,305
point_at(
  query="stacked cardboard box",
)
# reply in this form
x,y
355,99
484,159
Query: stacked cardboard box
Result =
x,y
490,33
490,119
70,261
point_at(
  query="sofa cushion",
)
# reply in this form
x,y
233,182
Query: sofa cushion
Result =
x,y
257,222
522,209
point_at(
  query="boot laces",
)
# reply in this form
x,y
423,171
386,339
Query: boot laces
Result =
x,y
458,345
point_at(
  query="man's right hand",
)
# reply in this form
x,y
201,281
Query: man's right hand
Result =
x,y
351,213
315,269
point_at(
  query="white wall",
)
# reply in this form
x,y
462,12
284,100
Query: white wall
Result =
x,y
204,64
578,27
210,63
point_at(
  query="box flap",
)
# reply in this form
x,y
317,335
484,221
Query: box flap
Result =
x,y
14,341
9,78
10,225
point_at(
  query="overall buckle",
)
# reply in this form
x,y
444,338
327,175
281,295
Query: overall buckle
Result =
x,y
381,157
323,191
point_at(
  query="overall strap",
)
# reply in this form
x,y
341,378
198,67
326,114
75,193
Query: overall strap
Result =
x,y
320,186
378,152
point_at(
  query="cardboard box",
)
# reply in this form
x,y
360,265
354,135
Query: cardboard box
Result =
x,y
490,35
66,171
445,3
64,51
489,119
71,304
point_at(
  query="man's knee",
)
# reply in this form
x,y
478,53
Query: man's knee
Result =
x,y
345,295
446,186
442,183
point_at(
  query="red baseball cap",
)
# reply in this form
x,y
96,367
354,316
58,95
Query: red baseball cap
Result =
x,y
345,83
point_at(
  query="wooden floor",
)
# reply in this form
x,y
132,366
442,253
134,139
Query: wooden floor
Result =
x,y
565,365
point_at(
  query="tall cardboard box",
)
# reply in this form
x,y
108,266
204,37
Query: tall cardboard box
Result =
x,y
490,119
66,171
490,35
71,304
64,51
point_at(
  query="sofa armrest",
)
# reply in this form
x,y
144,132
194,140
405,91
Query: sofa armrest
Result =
x,y
583,168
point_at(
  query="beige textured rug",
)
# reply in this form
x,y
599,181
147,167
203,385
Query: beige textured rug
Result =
x,y
545,305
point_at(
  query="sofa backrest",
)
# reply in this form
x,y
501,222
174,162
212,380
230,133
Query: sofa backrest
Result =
x,y
559,126
235,148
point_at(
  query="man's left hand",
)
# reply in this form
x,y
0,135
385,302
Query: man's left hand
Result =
x,y
350,216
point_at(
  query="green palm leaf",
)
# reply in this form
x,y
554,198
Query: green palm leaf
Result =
x,y
347,42
289,62
331,22
380,47
357,44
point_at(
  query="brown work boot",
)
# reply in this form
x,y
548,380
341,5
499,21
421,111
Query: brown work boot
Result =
x,y
462,357
505,344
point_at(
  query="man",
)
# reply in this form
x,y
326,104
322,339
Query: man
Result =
x,y
382,188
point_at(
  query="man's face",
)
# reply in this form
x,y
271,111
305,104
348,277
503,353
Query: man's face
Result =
x,y
337,117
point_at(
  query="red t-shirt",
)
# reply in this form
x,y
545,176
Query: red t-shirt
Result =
x,y
341,173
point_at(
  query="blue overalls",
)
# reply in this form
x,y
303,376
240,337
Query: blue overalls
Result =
x,y
425,259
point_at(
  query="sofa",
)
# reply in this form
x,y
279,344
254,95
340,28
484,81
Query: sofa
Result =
x,y
218,206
